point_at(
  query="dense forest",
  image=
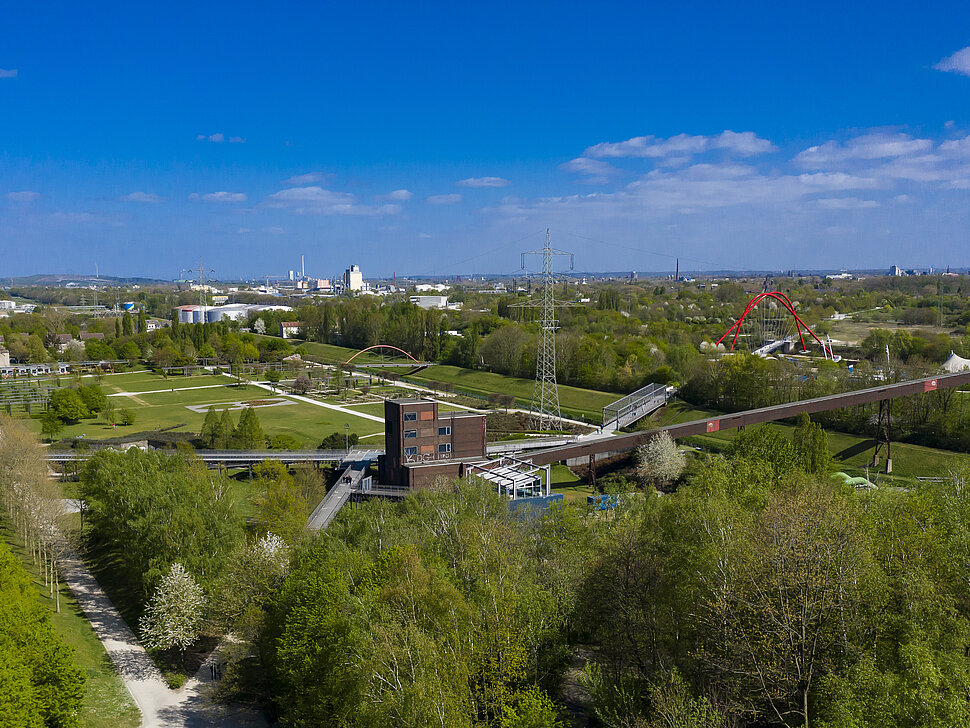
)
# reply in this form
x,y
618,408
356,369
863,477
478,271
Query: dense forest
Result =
x,y
754,591
755,594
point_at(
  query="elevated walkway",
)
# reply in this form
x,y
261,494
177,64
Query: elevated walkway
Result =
x,y
635,406
353,479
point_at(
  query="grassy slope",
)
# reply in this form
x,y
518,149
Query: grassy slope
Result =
x,y
852,452
107,703
575,402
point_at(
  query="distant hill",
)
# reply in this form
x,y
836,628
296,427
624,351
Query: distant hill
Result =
x,y
63,279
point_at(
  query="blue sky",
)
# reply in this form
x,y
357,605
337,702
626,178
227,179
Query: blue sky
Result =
x,y
442,138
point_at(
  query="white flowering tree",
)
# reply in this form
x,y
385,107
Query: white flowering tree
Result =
x,y
659,460
259,326
175,613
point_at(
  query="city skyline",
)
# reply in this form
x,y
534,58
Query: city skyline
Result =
x,y
439,140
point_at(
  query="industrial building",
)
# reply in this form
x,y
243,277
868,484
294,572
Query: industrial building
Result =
x,y
421,444
430,301
195,314
353,279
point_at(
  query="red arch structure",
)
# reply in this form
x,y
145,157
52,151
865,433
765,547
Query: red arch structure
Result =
x,y
787,304
382,346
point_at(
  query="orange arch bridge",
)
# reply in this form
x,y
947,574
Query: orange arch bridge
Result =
x,y
787,305
382,346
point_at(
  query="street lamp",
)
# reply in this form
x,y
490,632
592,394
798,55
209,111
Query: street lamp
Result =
x,y
347,436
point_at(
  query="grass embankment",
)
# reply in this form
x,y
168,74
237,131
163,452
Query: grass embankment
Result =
x,y
577,403
852,453
107,702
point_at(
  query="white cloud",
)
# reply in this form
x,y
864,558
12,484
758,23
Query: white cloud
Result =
x,y
24,196
424,236
8,73
221,196
316,200
237,140
597,171
959,62
275,230
483,182
244,230
299,180
217,137
451,199
867,146
744,144
693,190
397,196
845,203
150,197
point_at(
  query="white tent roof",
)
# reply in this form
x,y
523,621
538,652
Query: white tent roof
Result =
x,y
955,364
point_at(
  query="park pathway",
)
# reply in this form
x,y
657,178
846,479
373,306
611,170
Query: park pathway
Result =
x,y
160,707
318,403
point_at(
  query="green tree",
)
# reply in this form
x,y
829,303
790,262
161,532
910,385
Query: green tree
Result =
x,y
127,328
210,428
67,405
222,439
811,446
41,684
126,417
534,709
92,396
130,351
51,425
248,434
280,505
142,321
95,350
151,509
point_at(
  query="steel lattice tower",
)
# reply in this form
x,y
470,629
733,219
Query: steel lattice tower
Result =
x,y
545,395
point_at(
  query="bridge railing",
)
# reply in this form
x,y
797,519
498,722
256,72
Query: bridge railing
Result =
x,y
635,405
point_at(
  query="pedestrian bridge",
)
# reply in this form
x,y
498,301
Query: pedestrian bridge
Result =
x,y
634,406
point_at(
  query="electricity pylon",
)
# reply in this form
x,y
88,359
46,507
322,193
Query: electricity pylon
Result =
x,y
545,395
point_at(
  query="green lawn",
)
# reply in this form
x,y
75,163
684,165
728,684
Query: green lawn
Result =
x,y
107,702
148,382
575,402
852,452
306,422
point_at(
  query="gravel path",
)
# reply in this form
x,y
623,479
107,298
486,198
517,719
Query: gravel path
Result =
x,y
160,707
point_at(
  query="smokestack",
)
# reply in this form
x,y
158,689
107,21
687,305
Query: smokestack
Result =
x,y
302,267
677,272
